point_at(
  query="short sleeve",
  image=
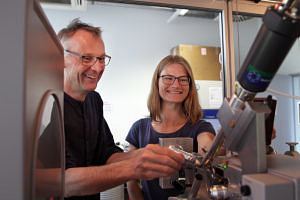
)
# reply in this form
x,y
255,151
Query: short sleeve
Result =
x,y
206,127
110,147
132,136
202,126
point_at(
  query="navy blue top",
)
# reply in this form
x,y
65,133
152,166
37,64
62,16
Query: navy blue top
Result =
x,y
88,139
142,133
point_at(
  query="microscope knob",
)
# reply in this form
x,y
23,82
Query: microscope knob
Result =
x,y
245,190
292,151
179,186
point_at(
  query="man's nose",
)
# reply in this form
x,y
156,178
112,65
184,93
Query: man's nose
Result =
x,y
98,66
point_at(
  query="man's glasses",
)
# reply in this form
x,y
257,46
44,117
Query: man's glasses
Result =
x,y
169,80
91,60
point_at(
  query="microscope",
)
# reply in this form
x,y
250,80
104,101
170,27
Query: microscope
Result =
x,y
247,172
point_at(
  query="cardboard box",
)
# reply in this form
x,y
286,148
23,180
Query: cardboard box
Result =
x,y
204,60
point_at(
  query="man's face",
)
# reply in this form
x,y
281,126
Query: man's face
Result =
x,y
80,79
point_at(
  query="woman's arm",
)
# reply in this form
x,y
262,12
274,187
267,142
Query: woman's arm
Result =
x,y
205,140
133,186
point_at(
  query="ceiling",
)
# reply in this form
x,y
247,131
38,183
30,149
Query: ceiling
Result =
x,y
289,66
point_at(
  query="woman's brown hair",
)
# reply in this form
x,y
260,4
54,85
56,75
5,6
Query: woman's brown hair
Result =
x,y
190,105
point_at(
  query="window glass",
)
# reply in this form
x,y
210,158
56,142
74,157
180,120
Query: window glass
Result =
x,y
137,37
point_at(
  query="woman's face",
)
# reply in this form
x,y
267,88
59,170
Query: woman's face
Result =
x,y
173,84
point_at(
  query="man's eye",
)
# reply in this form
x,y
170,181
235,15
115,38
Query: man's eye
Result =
x,y
88,58
101,58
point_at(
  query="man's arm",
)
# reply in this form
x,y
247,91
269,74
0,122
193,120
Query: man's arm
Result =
x,y
133,186
91,180
146,163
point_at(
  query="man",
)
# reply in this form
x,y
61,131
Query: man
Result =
x,y
93,162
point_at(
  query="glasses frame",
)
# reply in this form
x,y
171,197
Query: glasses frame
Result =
x,y
174,79
97,58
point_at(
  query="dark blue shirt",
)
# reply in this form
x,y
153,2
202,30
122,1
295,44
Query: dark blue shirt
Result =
x,y
142,133
88,139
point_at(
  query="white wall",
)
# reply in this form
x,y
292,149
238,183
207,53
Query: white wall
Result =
x,y
296,88
137,39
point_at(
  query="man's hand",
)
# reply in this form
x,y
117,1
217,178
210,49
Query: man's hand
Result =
x,y
155,161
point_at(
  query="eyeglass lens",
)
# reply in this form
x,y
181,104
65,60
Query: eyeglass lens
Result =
x,y
169,80
91,60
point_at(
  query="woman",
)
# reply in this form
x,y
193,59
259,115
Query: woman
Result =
x,y
174,112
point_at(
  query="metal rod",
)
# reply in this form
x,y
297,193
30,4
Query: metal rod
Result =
x,y
195,187
214,148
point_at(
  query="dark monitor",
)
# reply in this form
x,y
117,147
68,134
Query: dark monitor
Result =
x,y
269,122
